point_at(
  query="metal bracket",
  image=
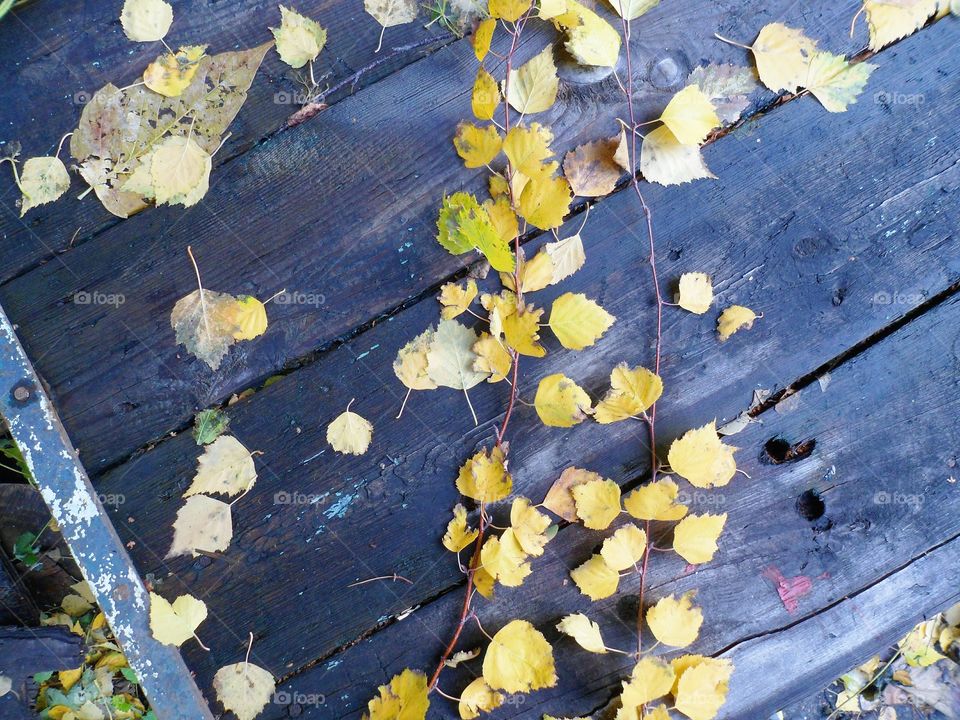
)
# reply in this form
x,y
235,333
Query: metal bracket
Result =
x,y
92,539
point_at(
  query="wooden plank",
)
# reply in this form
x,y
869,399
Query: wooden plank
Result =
x,y
888,537
381,161
93,541
59,54
316,522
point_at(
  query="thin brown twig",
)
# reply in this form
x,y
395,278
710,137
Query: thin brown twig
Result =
x,y
395,577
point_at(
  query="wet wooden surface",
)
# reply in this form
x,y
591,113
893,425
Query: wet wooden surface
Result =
x,y
839,228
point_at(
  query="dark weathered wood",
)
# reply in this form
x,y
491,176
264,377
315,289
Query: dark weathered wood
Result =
x,y
16,605
343,208
57,54
26,651
814,266
878,558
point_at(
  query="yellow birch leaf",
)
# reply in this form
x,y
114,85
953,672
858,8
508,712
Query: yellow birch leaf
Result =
x,y
585,631
596,579
655,501
350,433
560,402
598,503
665,160
391,12
478,697
528,147
549,9
482,37
171,73
459,535
503,219
505,560
675,621
545,200
701,458
917,647
299,39
519,659
690,116
533,87
484,582
450,358
632,9
593,41
696,292
75,606
529,526
577,321
567,256
509,10
68,678
226,467
205,323
892,20
498,186
651,678
591,170
456,298
477,146
680,665
702,688
521,331
180,170
632,391
484,477
624,548
485,97
559,498
43,180
146,20
405,698
202,524
499,307
695,537
734,318
783,55
410,365
492,358
534,275
244,689
835,82
250,317
175,623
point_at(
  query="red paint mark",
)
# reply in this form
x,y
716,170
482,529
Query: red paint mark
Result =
x,y
790,590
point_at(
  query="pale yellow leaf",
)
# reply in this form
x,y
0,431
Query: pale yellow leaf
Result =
x,y
450,359
591,40
244,688
203,524
584,631
577,321
42,180
690,116
225,467
701,458
205,323
505,560
783,55
509,10
835,82
299,39
410,365
655,501
175,623
695,537
528,147
545,201
596,579
533,87
391,12
734,318
598,503
632,9
665,160
696,292
675,621
485,97
521,331
567,255
624,548
632,391
478,697
519,659
459,535
560,402
249,315
146,20
651,678
180,169
892,20
350,433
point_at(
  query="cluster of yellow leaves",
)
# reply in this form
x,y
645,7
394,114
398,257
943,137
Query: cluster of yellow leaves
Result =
x,y
670,154
789,60
203,523
506,559
560,402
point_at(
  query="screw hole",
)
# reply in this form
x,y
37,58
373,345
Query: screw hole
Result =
x,y
810,506
778,450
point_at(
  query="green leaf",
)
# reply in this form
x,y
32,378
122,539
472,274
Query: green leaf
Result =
x,y
463,225
9,449
210,424
130,675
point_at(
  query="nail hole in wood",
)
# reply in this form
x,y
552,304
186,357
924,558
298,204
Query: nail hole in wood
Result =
x,y
810,506
778,450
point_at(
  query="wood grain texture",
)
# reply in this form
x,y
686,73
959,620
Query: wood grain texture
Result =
x,y
343,207
316,522
25,651
57,55
871,564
